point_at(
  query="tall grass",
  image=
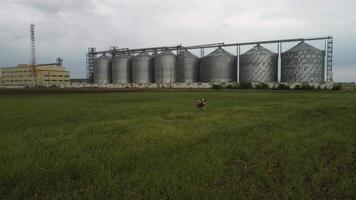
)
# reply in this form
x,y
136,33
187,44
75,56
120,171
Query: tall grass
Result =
x,y
155,145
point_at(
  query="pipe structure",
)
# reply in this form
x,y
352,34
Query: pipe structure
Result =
x,y
204,46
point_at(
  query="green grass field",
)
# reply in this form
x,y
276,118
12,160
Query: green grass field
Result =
x,y
155,145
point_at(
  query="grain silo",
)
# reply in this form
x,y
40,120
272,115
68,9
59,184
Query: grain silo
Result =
x,y
188,67
121,68
101,70
218,66
142,68
165,67
259,65
303,63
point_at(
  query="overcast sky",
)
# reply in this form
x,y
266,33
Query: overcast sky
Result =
x,y
66,28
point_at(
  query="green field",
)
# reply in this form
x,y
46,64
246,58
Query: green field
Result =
x,y
155,145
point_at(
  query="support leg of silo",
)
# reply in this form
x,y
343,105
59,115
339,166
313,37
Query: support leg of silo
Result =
x,y
238,52
325,61
279,70
201,64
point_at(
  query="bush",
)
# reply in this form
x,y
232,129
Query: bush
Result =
x,y
233,86
306,86
245,85
215,86
337,87
229,87
282,87
262,86
297,87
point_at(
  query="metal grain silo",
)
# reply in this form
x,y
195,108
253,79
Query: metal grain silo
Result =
x,y
303,63
165,67
259,65
121,68
102,71
218,66
142,68
188,67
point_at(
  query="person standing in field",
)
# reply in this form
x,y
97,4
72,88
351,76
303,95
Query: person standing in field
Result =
x,y
201,104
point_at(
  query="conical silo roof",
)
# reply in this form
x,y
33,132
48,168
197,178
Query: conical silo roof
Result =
x,y
219,52
143,54
187,54
302,46
122,55
104,56
259,49
166,52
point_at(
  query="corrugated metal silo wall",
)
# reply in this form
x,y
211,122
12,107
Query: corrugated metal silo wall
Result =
x,y
121,69
102,70
188,68
165,67
218,68
142,68
259,65
303,66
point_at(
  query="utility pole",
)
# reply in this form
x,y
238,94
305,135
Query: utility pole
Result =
x,y
59,62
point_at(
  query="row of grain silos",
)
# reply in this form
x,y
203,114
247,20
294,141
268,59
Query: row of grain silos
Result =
x,y
145,68
302,63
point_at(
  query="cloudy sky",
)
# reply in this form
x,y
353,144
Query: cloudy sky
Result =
x,y
66,28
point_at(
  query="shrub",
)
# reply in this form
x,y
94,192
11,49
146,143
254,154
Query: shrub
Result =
x,y
233,86
337,87
245,85
297,87
262,86
216,86
306,86
229,87
282,87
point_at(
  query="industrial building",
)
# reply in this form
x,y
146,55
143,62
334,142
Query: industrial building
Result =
x,y
177,64
23,75
35,74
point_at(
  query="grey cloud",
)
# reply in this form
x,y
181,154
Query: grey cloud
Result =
x,y
52,7
67,28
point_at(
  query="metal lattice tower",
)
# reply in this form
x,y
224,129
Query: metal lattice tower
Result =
x,y
329,60
33,45
90,64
